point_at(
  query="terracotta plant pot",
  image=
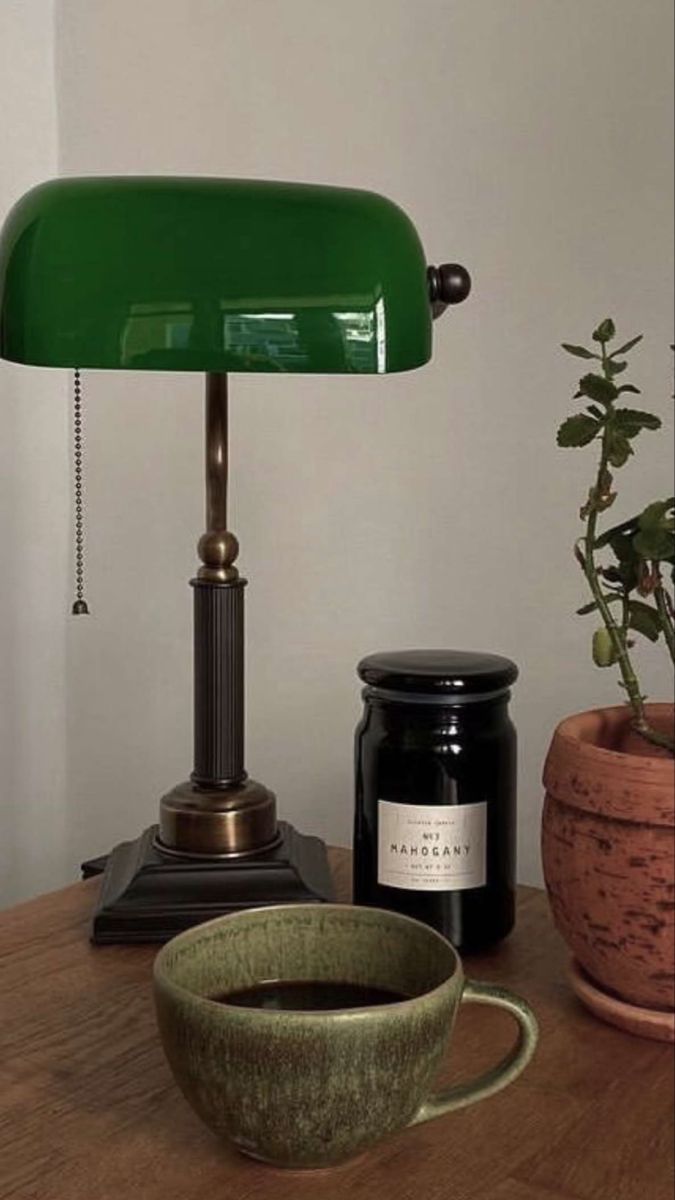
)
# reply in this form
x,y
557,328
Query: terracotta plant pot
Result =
x,y
608,849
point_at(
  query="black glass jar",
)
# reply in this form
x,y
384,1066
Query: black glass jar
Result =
x,y
435,819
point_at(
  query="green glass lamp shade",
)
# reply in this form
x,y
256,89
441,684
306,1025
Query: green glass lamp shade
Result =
x,y
195,274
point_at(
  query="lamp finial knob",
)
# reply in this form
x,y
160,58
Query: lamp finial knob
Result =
x,y
448,284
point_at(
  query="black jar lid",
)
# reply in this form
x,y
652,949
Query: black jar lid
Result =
x,y
442,674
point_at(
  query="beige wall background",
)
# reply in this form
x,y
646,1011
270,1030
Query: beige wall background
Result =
x,y
35,849
529,139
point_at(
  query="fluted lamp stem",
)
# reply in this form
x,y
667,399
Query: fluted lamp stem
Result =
x,y
218,617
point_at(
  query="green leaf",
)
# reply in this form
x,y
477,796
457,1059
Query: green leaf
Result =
x,y
605,332
611,574
604,653
655,516
655,544
622,548
596,387
629,387
628,561
615,368
628,568
578,351
611,598
645,620
596,412
630,527
630,421
578,430
619,449
626,346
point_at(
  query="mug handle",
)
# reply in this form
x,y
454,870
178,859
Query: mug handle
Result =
x,y
499,1076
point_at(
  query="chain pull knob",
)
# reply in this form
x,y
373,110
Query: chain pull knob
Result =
x,y
80,606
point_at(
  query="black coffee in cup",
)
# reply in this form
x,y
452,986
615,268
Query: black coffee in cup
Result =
x,y
308,995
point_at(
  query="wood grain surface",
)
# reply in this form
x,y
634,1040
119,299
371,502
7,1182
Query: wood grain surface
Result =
x,y
89,1111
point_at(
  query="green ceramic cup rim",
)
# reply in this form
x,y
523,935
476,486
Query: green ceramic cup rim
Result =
x,y
162,974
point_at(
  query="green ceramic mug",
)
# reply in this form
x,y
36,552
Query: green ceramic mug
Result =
x,y
313,1088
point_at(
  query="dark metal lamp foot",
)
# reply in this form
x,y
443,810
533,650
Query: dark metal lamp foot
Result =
x,y
147,896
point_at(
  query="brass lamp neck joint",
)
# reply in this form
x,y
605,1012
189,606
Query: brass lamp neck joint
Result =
x,y
217,548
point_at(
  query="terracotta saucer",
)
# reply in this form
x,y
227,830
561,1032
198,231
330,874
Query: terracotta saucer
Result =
x,y
643,1022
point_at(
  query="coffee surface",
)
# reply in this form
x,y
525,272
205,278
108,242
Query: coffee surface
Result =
x,y
308,995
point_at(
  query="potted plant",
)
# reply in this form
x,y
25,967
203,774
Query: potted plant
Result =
x,y
608,824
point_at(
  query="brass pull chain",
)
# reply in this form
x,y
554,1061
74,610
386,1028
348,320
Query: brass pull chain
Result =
x,y
80,605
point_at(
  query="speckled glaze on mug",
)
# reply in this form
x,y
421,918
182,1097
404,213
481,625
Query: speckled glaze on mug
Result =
x,y
312,1089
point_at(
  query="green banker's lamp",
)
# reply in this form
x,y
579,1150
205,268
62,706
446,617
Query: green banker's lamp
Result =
x,y
214,275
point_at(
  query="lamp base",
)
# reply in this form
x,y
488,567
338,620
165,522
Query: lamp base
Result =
x,y
147,896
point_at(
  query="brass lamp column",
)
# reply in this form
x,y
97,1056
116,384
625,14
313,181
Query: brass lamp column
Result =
x,y
218,846
220,812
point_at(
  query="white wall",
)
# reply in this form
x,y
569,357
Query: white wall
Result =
x,y
34,515
531,140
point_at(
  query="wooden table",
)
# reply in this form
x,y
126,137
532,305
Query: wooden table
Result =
x,y
88,1109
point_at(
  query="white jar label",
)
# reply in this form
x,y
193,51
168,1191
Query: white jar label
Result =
x,y
432,847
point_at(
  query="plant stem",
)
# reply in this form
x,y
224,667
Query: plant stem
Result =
x,y
623,658
654,737
625,608
661,599
630,681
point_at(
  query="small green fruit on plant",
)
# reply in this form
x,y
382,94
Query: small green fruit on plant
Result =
x,y
629,592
